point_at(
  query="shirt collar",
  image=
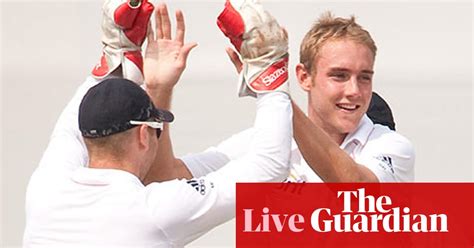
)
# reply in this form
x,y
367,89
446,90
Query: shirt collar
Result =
x,y
361,134
102,177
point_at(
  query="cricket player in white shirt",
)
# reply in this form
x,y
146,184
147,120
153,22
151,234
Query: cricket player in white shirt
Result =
x,y
91,190
336,142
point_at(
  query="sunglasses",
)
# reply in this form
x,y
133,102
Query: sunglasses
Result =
x,y
158,126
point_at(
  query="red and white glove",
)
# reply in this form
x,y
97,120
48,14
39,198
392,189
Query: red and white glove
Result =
x,y
125,25
261,43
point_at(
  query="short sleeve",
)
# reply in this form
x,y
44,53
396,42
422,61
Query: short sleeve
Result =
x,y
390,156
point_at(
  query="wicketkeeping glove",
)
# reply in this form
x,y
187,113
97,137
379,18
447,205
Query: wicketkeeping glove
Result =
x,y
262,44
125,25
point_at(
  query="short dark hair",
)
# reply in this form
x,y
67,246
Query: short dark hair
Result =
x,y
112,145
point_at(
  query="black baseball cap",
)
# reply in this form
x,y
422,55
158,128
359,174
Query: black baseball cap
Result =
x,y
108,107
379,112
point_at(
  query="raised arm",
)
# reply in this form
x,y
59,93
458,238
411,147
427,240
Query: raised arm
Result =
x,y
208,201
66,136
165,61
214,157
324,156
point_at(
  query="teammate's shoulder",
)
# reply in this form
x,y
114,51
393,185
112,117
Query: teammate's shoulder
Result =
x,y
382,136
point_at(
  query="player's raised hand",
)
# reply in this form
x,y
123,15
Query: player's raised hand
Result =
x,y
165,57
235,58
262,44
125,24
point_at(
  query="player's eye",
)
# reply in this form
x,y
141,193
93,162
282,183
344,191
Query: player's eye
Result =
x,y
365,78
339,76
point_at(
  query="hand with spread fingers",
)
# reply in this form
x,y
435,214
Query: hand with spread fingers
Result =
x,y
262,44
165,57
165,61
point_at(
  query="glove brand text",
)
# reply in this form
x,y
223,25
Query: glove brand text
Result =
x,y
268,80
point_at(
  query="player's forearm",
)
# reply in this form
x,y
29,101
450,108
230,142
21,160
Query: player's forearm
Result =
x,y
269,153
271,143
161,95
323,155
166,165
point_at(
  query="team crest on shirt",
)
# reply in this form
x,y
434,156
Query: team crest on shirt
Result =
x,y
198,185
385,162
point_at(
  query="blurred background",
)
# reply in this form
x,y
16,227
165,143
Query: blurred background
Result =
x,y
423,69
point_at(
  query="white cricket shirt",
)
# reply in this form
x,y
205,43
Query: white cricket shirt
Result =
x,y
70,205
389,155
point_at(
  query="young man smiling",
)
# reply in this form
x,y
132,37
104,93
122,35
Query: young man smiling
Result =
x,y
336,142
337,139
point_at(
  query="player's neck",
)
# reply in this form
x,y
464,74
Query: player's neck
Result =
x,y
112,163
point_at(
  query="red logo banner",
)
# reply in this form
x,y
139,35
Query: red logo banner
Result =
x,y
355,215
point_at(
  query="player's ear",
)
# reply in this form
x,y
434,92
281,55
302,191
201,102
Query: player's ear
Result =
x,y
144,137
304,77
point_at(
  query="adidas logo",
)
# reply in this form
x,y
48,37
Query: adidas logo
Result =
x,y
386,161
199,186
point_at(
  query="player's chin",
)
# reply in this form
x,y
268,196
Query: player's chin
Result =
x,y
349,124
